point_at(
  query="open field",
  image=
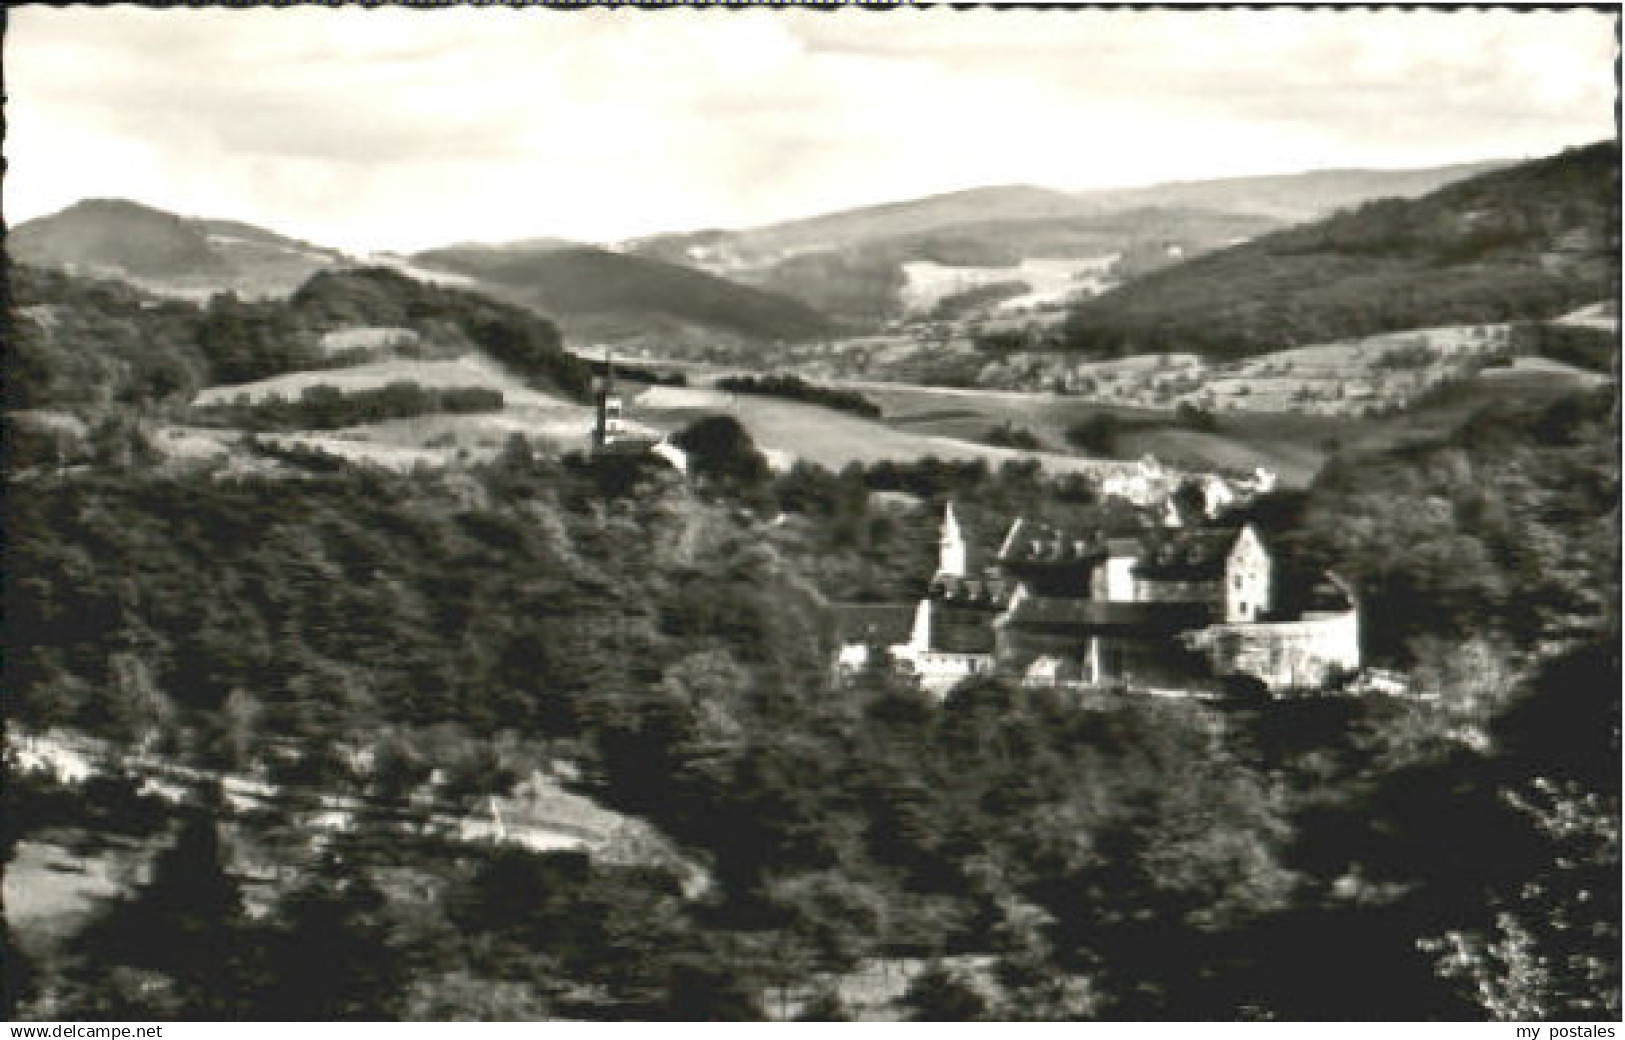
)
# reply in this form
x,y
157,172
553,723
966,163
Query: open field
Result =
x,y
1293,445
565,426
830,438
948,422
1347,377
1287,445
944,421
401,444
469,370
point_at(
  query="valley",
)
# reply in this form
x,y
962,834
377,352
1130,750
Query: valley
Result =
x,y
856,642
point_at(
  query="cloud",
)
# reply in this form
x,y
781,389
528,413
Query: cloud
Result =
x,y
407,127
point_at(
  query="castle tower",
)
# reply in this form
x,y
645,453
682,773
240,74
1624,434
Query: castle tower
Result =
x,y
607,425
951,547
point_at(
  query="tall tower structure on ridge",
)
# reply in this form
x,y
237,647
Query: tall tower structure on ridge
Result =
x,y
951,546
607,425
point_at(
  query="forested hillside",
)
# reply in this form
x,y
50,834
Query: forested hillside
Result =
x,y
861,280
595,288
1501,532
1529,242
81,342
1129,859
871,223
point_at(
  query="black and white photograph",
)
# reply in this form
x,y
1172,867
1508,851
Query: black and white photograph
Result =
x,y
782,513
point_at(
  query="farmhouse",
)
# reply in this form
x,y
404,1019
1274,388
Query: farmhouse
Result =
x,y
1159,610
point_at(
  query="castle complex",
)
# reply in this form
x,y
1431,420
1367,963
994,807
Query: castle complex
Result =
x,y
1166,610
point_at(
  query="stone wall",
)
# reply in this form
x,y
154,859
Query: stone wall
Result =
x,y
1285,655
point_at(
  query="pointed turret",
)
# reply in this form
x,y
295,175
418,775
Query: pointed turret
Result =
x,y
951,546
607,425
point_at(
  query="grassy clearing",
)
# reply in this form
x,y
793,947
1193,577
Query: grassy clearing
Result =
x,y
469,370
834,439
918,420
55,880
1293,445
436,440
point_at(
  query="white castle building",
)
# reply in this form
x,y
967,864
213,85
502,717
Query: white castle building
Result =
x,y
1165,609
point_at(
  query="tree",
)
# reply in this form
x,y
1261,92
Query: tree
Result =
x,y
137,711
459,996
18,976
333,958
720,448
1097,434
236,737
185,928
1552,953
1195,417
1461,688
700,990
707,688
939,994
839,918
825,1005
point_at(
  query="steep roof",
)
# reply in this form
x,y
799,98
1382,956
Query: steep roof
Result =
x,y
1033,541
1037,541
1196,554
989,593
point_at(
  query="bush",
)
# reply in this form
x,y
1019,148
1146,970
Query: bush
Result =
x,y
797,389
1012,436
720,448
1196,418
1097,434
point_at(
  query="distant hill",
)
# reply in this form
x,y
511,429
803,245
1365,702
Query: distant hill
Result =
x,y
164,251
849,264
1284,198
895,219
597,292
1527,242
115,233
864,224
1290,197
535,244
862,282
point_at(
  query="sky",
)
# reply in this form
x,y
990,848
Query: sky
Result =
x,y
401,128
